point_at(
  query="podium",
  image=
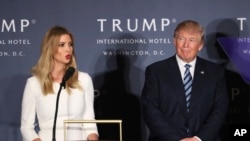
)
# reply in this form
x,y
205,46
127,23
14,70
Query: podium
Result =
x,y
66,122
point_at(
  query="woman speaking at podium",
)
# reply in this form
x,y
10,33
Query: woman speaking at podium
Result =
x,y
42,88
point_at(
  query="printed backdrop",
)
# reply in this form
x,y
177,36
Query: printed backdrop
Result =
x,y
114,41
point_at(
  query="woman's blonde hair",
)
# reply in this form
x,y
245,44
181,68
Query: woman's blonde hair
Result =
x,y
42,70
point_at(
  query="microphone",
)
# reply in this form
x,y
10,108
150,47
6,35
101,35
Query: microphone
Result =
x,y
69,72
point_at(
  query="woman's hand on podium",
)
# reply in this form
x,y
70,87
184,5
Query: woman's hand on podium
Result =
x,y
93,137
37,139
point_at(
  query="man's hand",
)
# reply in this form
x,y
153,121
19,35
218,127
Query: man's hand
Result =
x,y
190,139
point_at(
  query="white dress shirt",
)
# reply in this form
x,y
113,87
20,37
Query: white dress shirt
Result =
x,y
182,68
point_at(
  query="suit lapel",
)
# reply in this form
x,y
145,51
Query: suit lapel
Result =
x,y
175,76
198,83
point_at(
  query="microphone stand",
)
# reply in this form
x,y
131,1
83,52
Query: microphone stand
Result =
x,y
56,111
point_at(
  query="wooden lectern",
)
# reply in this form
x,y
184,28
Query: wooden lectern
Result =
x,y
93,121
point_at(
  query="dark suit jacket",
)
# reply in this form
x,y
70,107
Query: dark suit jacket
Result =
x,y
164,105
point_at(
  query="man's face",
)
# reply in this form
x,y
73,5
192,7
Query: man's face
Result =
x,y
187,45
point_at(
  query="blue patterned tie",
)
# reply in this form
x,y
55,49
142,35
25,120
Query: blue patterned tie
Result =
x,y
187,81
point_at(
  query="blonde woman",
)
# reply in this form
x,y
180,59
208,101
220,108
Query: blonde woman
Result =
x,y
41,90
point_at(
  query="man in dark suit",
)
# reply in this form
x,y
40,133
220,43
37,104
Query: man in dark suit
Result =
x,y
196,112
